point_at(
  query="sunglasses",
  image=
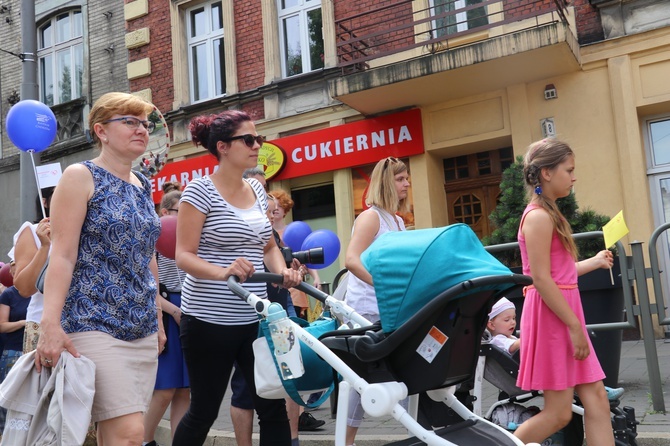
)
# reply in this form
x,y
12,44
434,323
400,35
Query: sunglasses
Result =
x,y
134,123
248,139
390,160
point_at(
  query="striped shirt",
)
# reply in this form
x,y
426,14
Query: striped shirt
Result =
x,y
225,236
169,274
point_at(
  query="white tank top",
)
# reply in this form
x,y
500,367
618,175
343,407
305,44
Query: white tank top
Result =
x,y
36,305
361,296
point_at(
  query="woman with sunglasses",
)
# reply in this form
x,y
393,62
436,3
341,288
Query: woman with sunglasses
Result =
x,y
222,230
386,195
101,285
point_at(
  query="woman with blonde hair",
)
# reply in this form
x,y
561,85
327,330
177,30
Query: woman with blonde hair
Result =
x,y
101,285
387,194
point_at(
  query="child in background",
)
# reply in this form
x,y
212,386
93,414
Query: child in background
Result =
x,y
502,324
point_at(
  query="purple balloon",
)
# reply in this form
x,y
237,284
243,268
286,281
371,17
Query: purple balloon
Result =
x,y
326,239
295,233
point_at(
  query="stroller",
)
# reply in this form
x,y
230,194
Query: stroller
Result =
x,y
427,340
502,369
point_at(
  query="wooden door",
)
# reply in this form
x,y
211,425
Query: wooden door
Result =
x,y
472,206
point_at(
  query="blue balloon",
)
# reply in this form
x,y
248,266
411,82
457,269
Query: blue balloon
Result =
x,y
31,125
295,233
326,239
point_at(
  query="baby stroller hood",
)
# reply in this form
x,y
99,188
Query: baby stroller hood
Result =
x,y
409,268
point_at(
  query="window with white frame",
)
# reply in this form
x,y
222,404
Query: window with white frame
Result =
x,y
61,58
657,134
461,20
301,36
206,61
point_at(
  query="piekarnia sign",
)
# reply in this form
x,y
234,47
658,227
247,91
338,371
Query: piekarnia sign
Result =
x,y
343,146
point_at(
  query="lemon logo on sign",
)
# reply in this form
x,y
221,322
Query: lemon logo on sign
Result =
x,y
272,159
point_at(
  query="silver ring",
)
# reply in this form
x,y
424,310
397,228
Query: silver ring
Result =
x,y
48,361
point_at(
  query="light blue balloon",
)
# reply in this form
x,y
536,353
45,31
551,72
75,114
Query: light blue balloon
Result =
x,y
31,125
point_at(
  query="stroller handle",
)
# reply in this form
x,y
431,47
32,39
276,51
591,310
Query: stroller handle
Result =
x,y
278,279
339,308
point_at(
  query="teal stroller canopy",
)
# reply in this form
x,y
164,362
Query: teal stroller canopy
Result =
x,y
410,268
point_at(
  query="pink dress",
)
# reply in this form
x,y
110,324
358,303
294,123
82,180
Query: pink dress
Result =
x,y
546,349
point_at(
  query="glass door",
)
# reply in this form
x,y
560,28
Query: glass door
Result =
x,y
658,145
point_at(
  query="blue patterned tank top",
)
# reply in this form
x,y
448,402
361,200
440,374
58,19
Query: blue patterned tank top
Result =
x,y
113,289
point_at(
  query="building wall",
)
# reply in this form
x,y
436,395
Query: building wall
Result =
x,y
105,59
147,39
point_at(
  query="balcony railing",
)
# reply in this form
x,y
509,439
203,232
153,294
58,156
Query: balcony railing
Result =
x,y
397,26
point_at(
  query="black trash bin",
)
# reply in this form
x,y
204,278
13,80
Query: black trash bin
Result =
x,y
602,302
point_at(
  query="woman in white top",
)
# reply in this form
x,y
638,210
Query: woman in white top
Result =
x,y
32,243
222,230
387,194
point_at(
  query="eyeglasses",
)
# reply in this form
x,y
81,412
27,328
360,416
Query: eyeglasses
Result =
x,y
134,123
248,139
173,210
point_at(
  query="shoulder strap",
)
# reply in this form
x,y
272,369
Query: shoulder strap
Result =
x,y
387,217
289,384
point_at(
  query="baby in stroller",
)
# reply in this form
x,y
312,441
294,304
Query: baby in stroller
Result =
x,y
501,327
499,365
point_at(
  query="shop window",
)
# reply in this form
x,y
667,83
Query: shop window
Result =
x,y
506,157
480,164
461,20
456,168
301,36
61,58
484,163
206,58
313,202
361,180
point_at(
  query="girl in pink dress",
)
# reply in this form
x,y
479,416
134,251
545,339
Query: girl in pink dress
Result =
x,y
556,353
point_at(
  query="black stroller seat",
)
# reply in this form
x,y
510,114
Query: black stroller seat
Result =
x,y
502,369
436,347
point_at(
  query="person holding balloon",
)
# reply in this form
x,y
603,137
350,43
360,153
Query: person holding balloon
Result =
x,y
285,204
386,195
32,244
222,231
101,284
172,384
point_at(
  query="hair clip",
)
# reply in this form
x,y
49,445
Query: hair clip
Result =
x,y
538,190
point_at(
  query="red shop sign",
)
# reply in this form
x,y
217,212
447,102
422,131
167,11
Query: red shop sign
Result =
x,y
362,142
340,147
182,172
